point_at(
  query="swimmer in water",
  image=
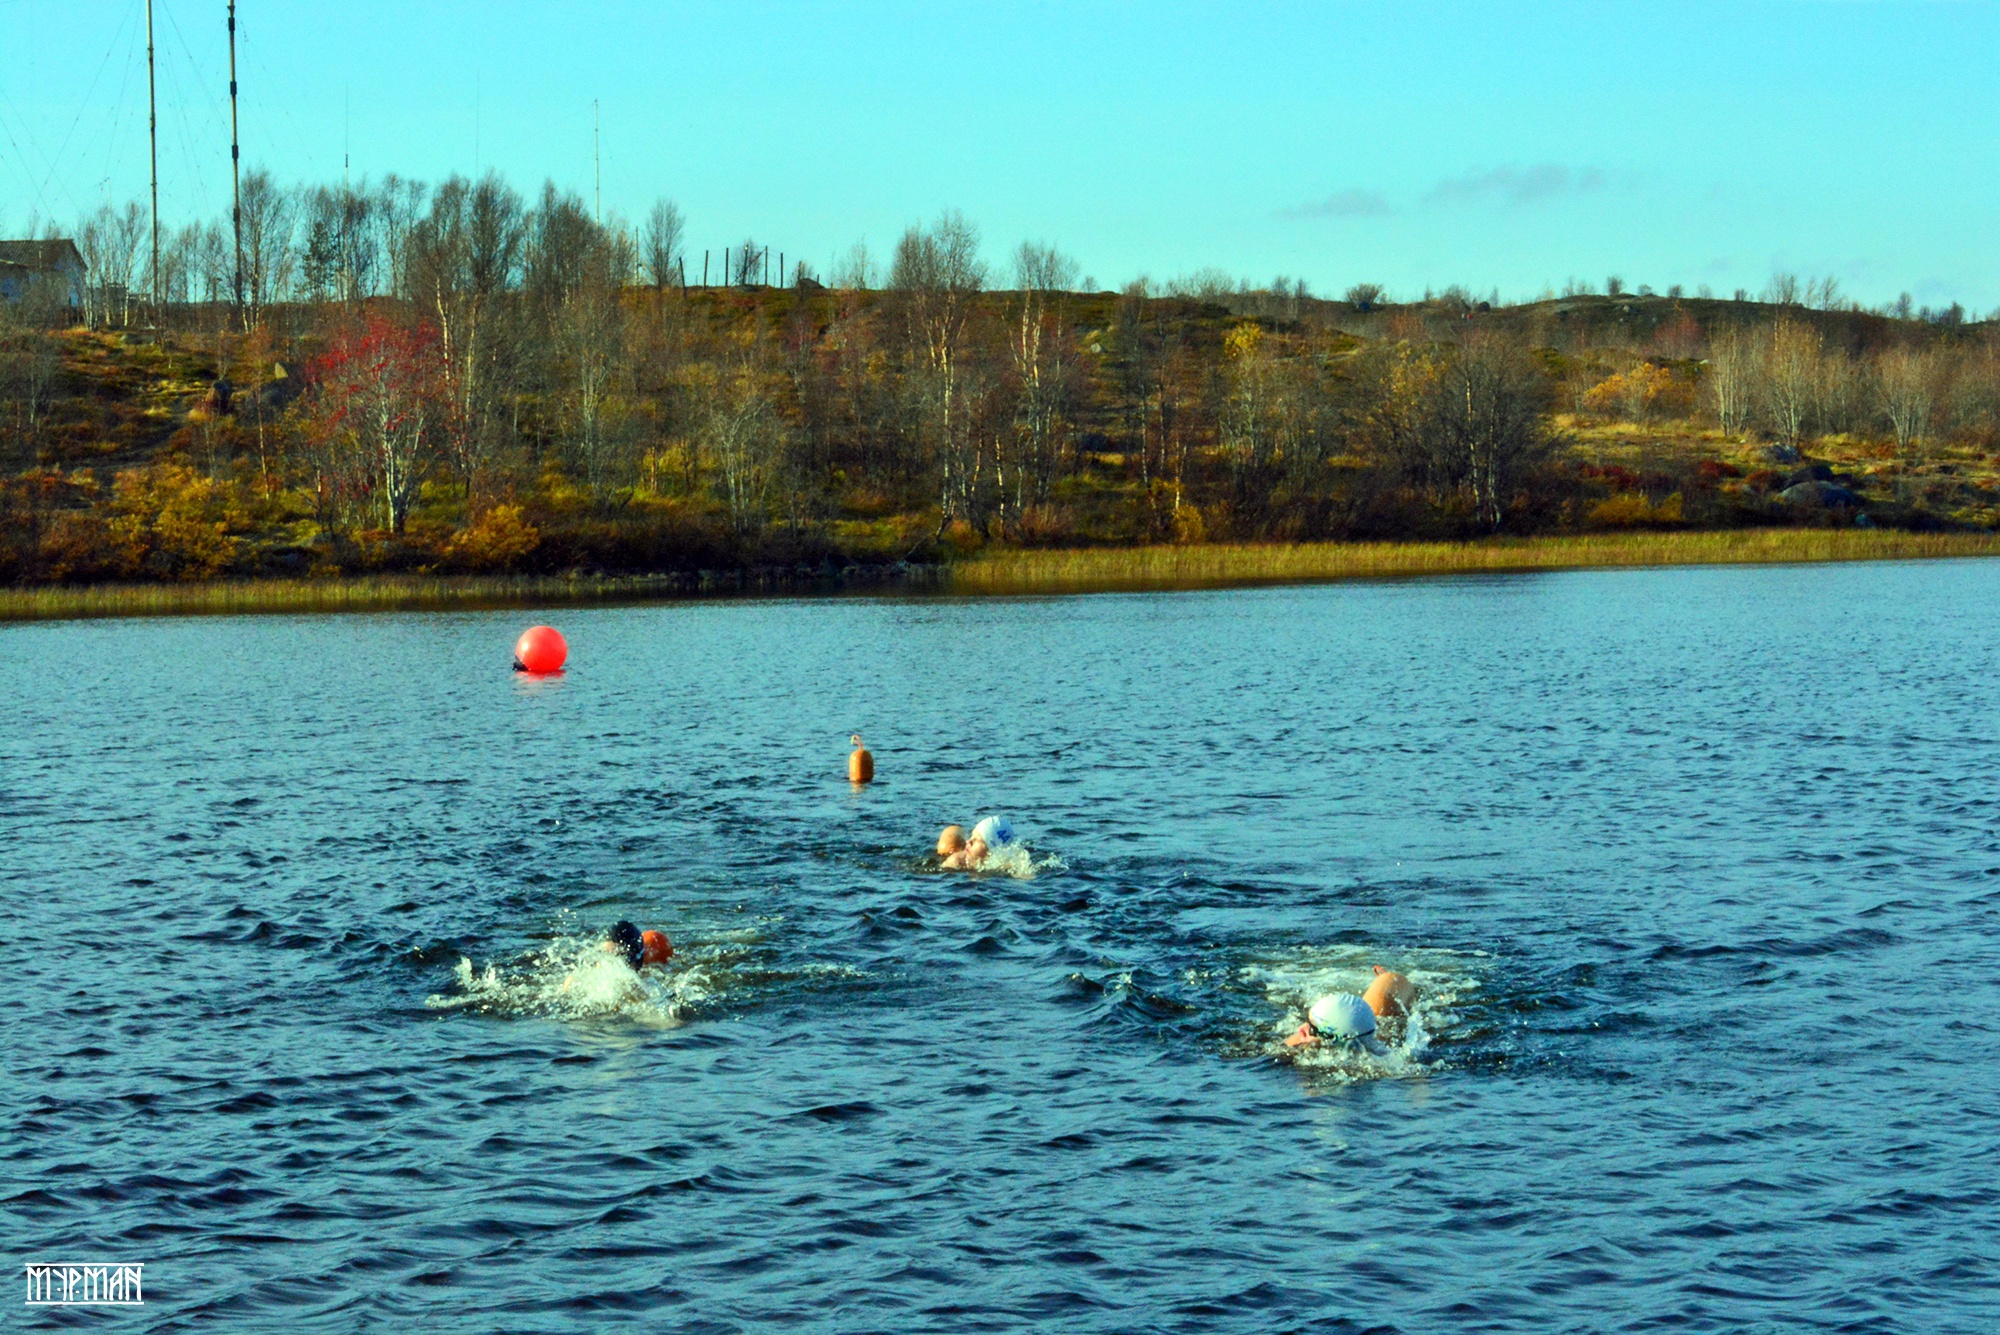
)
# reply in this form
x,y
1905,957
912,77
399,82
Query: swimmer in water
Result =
x,y
969,853
636,948
1339,1018
640,948
1390,995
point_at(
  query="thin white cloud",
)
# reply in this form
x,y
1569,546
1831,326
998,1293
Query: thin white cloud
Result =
x,y
1517,187
1343,204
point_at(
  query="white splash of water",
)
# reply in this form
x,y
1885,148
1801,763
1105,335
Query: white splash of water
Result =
x,y
1293,982
1020,862
576,978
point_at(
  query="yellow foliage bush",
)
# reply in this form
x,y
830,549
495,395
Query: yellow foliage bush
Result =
x,y
1639,393
1244,340
179,521
494,541
1189,526
1631,509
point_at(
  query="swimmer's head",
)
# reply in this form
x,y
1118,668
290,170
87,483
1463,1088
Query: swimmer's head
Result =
x,y
975,851
655,948
1345,1018
950,840
1390,994
994,832
628,942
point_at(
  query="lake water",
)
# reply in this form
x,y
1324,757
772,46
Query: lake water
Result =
x,y
1698,871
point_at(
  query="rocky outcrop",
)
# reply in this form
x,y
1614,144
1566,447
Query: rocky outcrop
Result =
x,y
1817,494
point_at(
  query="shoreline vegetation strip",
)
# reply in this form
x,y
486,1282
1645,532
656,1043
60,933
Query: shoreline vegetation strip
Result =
x,y
1019,572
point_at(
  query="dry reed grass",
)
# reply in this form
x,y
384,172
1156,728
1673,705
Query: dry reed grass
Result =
x,y
381,594
1130,568
1093,570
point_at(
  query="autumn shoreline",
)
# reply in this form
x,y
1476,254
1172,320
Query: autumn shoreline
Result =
x,y
1011,573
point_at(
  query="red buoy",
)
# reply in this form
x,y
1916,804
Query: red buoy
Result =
x,y
540,649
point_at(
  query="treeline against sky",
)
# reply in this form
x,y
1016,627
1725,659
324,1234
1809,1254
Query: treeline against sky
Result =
x,y
463,378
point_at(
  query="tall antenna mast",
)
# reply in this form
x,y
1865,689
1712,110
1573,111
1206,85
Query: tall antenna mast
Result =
x,y
235,183
596,162
153,152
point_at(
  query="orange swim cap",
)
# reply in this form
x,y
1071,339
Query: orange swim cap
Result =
x,y
658,950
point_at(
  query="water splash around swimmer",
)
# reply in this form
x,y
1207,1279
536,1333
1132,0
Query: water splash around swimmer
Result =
x,y
574,977
992,848
1020,862
1291,984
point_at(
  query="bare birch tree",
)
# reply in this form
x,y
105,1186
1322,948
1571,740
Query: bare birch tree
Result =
x,y
1043,366
1734,371
1791,375
1906,386
464,255
741,433
660,243
128,238
30,366
937,276
269,218
109,241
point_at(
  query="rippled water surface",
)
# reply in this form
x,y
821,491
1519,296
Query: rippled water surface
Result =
x,y
1698,870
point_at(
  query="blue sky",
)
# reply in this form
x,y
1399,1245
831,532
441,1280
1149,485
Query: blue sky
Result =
x,y
1508,146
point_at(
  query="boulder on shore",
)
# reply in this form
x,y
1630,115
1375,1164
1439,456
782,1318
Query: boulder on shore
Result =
x,y
1818,495
1781,454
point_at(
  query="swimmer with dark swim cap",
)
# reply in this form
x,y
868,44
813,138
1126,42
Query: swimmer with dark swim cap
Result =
x,y
636,948
640,948
1337,1019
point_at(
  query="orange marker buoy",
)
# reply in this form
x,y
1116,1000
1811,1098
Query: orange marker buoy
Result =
x,y
541,649
860,765
655,948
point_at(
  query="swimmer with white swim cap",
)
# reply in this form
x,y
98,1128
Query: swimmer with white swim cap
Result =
x,y
963,852
1339,1018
